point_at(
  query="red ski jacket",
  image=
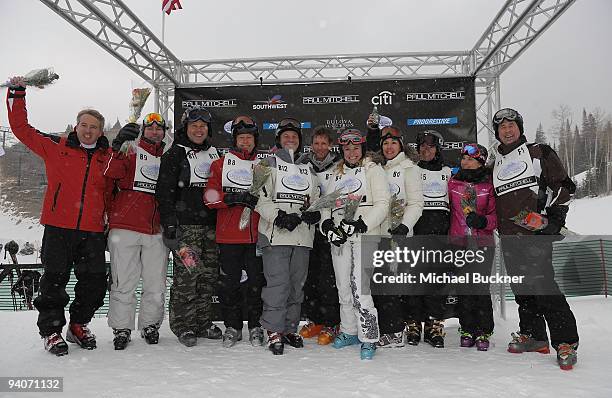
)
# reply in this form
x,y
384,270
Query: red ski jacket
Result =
x,y
77,192
130,209
229,217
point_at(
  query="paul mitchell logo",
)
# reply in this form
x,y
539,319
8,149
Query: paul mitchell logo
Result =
x,y
211,103
275,102
436,96
331,99
383,98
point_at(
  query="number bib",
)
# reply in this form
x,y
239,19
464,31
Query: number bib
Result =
x,y
513,171
324,178
292,182
352,182
435,189
147,171
199,163
395,178
237,175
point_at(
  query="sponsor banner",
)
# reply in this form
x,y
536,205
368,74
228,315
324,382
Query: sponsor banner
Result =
x,y
444,105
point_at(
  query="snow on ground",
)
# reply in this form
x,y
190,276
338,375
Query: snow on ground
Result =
x,y
587,216
209,370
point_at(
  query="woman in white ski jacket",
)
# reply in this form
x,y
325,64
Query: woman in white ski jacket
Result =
x,y
405,185
356,176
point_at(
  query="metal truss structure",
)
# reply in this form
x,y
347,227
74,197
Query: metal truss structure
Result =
x,y
112,25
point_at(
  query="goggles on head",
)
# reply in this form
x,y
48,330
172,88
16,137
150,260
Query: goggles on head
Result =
x,y
351,137
506,113
195,114
242,127
151,118
289,124
389,132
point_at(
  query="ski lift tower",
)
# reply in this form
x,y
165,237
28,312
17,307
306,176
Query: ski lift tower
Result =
x,y
114,27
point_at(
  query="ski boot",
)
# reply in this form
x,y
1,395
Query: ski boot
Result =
x,y
275,343
367,350
55,344
256,336
231,337
210,331
327,335
467,340
122,338
310,330
80,334
434,333
525,343
150,334
567,355
293,339
344,340
482,342
413,333
188,338
391,340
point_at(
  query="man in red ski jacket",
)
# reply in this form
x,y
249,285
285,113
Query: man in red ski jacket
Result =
x,y
74,218
135,242
226,191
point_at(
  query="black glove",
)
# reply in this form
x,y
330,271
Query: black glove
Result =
x,y
129,132
556,220
334,235
311,217
287,221
327,226
353,227
476,221
400,230
171,236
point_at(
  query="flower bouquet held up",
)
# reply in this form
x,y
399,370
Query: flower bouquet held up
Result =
x,y
189,257
139,98
396,216
351,204
40,78
530,220
261,173
325,201
468,203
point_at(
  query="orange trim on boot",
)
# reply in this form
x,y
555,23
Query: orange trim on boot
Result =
x,y
310,330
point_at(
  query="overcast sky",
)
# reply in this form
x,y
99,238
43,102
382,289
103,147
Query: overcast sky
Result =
x,y
569,64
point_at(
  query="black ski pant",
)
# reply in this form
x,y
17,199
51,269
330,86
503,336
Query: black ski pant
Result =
x,y
234,258
539,298
321,304
390,313
62,249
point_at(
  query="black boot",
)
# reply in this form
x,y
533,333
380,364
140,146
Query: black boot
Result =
x,y
150,334
413,332
293,339
122,338
275,343
434,333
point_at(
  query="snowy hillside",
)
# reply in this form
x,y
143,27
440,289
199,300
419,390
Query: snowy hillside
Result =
x,y
208,370
588,216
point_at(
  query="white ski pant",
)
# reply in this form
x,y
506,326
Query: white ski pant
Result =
x,y
136,256
358,316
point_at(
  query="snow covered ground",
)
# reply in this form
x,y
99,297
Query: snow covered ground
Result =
x,y
588,216
208,370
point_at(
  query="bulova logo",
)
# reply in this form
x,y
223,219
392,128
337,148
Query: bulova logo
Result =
x,y
211,103
339,123
383,98
331,99
276,102
436,96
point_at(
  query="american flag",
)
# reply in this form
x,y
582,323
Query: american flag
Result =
x,y
170,5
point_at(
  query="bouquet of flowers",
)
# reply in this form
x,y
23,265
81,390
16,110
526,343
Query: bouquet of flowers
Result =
x,y
325,201
40,78
351,204
396,211
261,173
468,202
530,220
139,98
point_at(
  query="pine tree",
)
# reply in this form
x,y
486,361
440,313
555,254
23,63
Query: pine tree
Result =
x,y
540,137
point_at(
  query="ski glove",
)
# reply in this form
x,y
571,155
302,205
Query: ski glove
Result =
x,y
171,237
353,227
240,198
476,221
311,217
401,230
129,132
287,221
556,220
334,235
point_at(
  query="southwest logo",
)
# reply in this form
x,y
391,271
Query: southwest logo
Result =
x,y
276,102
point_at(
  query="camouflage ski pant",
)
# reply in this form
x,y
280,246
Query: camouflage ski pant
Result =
x,y
192,288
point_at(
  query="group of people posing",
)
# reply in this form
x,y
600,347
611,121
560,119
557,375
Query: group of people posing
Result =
x,y
198,204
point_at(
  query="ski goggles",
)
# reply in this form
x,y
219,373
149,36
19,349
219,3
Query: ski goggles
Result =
x,y
506,113
242,127
473,151
351,137
193,115
151,118
390,132
430,138
289,124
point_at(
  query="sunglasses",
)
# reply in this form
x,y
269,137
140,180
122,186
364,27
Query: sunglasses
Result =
x,y
151,118
351,137
244,127
194,115
506,113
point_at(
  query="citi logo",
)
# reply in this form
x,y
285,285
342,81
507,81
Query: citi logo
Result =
x,y
383,98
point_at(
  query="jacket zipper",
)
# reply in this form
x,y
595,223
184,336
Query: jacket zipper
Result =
x,y
81,205
55,196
